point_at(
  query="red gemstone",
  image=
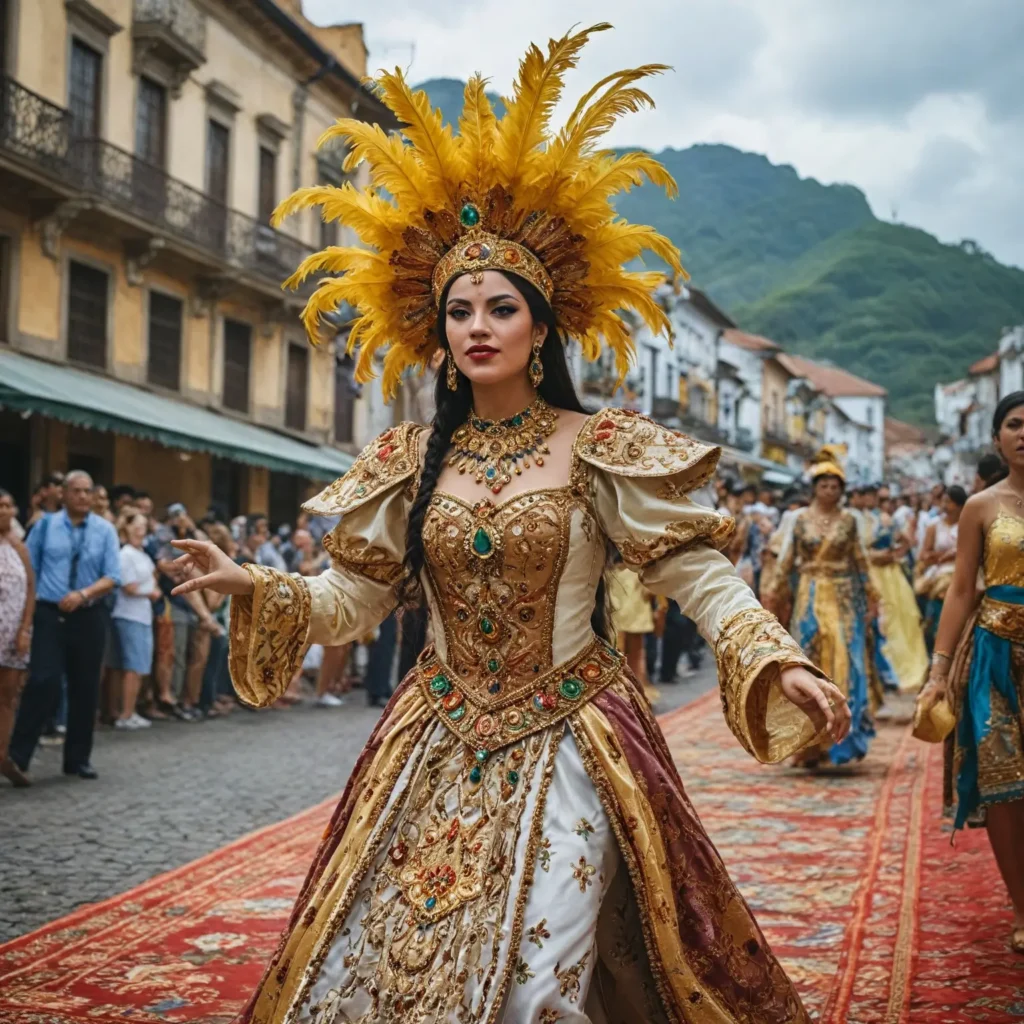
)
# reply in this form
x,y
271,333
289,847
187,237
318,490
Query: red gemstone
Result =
x,y
606,424
385,452
602,435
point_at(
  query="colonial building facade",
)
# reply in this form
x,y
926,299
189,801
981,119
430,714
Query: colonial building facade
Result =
x,y
143,330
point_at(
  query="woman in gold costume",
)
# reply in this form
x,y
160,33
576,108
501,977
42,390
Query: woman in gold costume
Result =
x,y
514,843
983,680
831,611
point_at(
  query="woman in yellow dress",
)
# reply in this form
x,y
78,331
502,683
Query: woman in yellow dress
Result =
x,y
899,616
984,680
514,843
830,613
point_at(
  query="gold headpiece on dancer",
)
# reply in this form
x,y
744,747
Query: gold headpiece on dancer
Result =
x,y
504,194
828,462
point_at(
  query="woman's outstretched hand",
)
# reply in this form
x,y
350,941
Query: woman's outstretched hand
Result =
x,y
820,700
203,566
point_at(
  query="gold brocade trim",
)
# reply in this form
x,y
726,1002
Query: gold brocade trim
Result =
x,y
712,529
626,443
751,648
387,460
478,251
354,553
486,724
1002,618
267,636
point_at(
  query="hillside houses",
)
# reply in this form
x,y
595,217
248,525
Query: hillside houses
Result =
x,y
770,411
964,408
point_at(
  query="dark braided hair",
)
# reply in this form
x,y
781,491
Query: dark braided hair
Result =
x,y
452,410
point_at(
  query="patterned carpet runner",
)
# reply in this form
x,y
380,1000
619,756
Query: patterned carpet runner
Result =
x,y
877,919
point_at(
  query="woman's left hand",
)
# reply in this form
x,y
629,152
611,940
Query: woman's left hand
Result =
x,y
820,700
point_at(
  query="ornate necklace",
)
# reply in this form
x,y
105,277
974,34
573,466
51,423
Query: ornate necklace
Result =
x,y
493,450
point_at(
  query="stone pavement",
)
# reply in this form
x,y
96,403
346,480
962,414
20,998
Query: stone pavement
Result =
x,y
170,794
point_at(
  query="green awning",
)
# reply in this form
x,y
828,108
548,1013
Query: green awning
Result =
x,y
89,400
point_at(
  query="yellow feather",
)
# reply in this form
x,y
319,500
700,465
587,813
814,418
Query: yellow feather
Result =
x,y
585,198
393,165
478,134
537,89
617,242
336,259
423,126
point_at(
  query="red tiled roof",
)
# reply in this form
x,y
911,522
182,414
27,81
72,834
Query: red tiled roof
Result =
x,y
830,379
898,432
752,342
986,365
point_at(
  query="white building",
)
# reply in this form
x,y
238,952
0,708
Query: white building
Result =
x,y
747,353
964,409
854,417
1011,361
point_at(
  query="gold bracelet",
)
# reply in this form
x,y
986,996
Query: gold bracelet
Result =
x,y
942,654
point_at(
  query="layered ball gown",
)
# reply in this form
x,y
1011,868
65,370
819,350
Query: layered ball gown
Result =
x,y
985,752
829,615
514,843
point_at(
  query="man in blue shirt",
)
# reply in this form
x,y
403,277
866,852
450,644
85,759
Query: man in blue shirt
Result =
x,y
76,558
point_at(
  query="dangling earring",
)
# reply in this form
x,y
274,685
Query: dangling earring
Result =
x,y
536,369
452,373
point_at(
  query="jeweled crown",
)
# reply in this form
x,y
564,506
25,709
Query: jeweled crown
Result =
x,y
504,194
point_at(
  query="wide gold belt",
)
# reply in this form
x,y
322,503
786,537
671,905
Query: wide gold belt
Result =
x,y
1002,618
551,697
826,569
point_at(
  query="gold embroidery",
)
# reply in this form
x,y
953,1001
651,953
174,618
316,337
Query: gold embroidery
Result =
x,y
1002,618
624,442
569,979
495,571
712,529
387,460
487,723
267,635
751,647
361,556
1004,552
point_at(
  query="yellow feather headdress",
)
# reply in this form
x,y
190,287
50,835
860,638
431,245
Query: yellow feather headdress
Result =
x,y
504,194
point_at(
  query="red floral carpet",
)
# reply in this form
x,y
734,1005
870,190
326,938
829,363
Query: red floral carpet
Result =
x,y
852,877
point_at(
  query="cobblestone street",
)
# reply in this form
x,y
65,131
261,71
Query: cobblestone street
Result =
x,y
172,793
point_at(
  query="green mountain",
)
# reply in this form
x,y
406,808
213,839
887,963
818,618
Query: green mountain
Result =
x,y
810,266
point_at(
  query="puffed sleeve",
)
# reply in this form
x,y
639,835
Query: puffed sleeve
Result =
x,y
271,629
640,474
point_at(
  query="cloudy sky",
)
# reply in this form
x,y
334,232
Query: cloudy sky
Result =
x,y
920,103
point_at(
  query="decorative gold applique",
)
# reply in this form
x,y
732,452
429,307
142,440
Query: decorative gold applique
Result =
x,y
1002,618
538,933
267,635
624,442
712,528
392,457
487,723
495,570
366,559
751,648
569,978
584,874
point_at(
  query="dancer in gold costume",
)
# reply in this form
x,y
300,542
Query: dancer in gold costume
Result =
x,y
983,680
514,843
830,612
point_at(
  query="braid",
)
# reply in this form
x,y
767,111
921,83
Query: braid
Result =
x,y
453,408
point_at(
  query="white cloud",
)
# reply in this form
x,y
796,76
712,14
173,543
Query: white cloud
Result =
x,y
917,102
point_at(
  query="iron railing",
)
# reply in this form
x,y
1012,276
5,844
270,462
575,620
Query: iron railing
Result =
x,y
40,132
33,128
181,18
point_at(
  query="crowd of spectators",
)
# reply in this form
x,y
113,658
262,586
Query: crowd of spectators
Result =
x,y
90,632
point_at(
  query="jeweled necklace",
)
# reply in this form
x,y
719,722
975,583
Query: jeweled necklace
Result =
x,y
492,450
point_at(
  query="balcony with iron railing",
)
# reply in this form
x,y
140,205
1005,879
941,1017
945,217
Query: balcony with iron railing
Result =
x,y
38,133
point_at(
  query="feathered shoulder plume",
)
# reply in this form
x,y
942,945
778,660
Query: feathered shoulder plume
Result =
x,y
509,194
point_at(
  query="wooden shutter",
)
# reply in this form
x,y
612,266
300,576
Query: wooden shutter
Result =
x,y
165,323
267,184
237,355
87,315
297,387
151,123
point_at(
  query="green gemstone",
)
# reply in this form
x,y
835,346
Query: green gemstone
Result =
x,y
482,542
469,216
440,685
482,755
493,665
513,777
570,689
486,626
457,713
474,775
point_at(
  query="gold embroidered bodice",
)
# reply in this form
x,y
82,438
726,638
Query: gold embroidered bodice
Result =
x,y
510,585
836,550
1004,551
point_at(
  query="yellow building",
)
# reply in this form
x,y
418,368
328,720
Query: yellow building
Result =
x,y
143,332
